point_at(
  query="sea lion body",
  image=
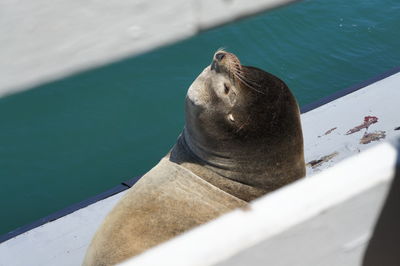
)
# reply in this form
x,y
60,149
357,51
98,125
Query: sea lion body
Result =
x,y
165,202
242,139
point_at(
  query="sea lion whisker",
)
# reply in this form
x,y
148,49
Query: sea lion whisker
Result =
x,y
248,79
247,83
240,72
221,49
245,80
240,128
243,124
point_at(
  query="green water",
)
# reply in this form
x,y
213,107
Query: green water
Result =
x,y
65,141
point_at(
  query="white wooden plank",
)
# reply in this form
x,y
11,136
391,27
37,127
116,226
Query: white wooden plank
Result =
x,y
337,236
322,211
212,13
61,242
378,99
47,40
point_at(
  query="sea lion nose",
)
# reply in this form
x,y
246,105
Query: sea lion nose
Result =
x,y
219,56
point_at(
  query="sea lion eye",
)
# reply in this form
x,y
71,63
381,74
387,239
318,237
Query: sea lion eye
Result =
x,y
226,89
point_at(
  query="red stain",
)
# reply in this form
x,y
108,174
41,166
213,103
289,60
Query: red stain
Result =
x,y
368,120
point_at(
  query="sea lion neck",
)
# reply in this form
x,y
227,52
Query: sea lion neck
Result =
x,y
247,172
240,163
216,171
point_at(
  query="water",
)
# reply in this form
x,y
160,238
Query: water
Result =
x,y
68,140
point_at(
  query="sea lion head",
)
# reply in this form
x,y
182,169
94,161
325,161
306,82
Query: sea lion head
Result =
x,y
245,123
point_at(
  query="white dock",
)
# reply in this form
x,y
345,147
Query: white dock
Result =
x,y
326,219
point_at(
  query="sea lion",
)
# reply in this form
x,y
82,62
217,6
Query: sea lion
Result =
x,y
242,139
